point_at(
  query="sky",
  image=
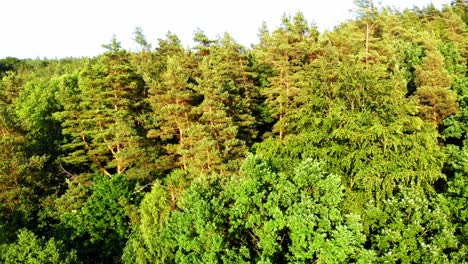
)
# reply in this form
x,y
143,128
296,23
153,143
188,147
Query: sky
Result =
x,y
72,28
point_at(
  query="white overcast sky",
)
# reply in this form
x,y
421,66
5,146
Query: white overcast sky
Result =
x,y
71,28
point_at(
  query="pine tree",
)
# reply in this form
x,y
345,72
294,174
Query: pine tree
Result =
x,y
100,114
218,129
366,11
172,103
225,118
358,120
232,66
285,52
435,98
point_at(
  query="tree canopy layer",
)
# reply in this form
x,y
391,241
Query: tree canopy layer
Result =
x,y
349,145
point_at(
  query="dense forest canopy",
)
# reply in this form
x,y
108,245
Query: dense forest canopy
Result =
x,y
349,145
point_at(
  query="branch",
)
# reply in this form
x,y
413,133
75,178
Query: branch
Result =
x,y
70,175
142,188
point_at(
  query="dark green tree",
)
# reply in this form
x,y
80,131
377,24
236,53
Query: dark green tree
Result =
x,y
101,227
9,64
225,114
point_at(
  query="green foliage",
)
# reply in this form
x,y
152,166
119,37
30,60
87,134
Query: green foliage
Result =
x,y
101,226
100,115
171,101
285,52
114,46
458,198
23,184
436,100
455,129
34,108
262,216
145,244
412,228
224,114
381,100
10,87
361,124
28,248
9,64
141,39
455,132
36,103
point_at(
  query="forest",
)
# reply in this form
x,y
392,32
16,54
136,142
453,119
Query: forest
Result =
x,y
343,146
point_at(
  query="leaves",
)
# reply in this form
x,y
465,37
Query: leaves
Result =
x,y
359,135
30,249
411,227
103,222
262,216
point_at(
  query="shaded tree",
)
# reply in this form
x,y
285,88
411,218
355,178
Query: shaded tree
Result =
x,y
100,228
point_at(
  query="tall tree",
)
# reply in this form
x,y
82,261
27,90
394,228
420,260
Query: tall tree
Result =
x,y
172,101
367,12
285,52
102,118
140,38
225,114
433,93
359,121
